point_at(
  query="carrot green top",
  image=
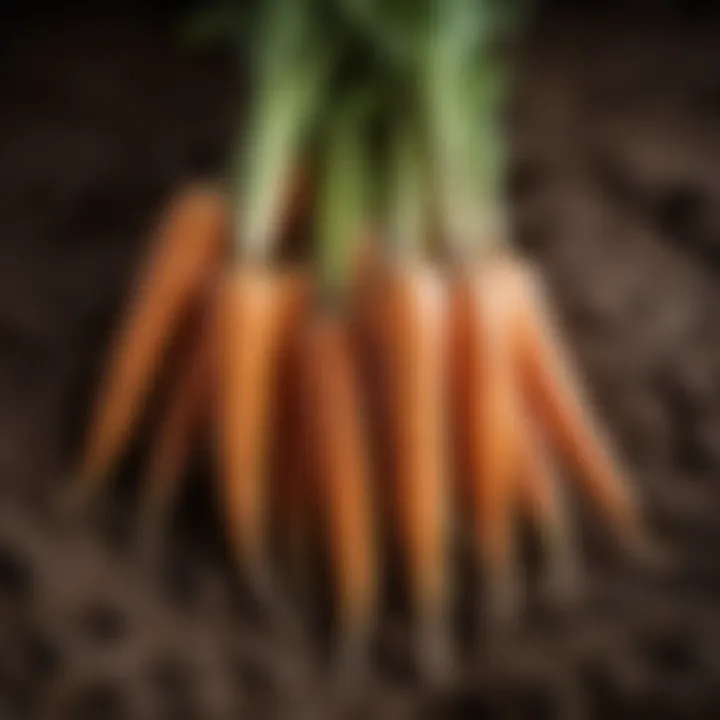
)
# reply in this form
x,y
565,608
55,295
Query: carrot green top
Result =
x,y
343,195
463,84
446,53
442,85
289,70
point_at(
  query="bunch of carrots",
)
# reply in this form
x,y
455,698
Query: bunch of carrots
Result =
x,y
405,377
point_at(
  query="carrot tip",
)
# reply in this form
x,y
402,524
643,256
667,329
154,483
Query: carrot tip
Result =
x,y
434,652
149,549
563,572
267,593
647,551
562,582
504,596
151,530
352,655
81,492
258,578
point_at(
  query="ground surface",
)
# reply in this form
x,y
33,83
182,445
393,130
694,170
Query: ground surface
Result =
x,y
617,189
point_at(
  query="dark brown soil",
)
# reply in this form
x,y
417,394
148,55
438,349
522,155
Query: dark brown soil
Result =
x,y
617,192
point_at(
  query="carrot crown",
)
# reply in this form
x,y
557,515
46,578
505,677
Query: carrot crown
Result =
x,y
448,53
442,83
463,84
289,70
408,213
343,196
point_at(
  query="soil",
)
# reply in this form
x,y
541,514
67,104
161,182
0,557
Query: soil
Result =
x,y
616,190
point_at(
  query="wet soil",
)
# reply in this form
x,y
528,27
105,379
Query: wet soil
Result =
x,y
616,192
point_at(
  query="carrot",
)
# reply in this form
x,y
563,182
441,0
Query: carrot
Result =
x,y
492,406
411,355
558,400
189,406
191,241
296,487
543,501
342,460
256,307
294,498
460,323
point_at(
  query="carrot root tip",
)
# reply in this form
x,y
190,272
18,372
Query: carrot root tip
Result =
x,y
645,550
80,494
504,593
434,652
152,528
563,579
267,594
352,656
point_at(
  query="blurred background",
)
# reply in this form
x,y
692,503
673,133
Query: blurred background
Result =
x,y
615,190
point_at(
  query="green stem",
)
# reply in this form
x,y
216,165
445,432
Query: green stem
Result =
x,y
291,71
463,87
409,193
342,199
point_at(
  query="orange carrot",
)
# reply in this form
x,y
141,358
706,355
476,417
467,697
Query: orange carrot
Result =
x,y
558,400
491,406
191,241
460,324
189,406
411,351
294,483
342,459
543,500
255,310
296,501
